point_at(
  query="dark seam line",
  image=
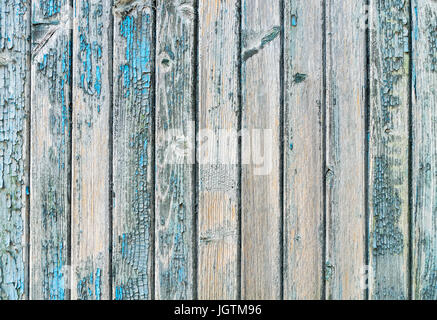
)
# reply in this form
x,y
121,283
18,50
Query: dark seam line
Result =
x,y
28,151
70,160
240,146
281,149
324,145
410,154
195,65
111,147
152,295
366,155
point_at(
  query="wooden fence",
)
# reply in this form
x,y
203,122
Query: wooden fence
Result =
x,y
314,171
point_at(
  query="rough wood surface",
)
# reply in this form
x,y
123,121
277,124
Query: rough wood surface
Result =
x,y
303,150
388,149
132,256
14,108
92,62
218,154
424,164
260,186
50,150
174,275
345,149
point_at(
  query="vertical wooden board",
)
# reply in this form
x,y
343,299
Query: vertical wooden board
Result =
x,y
345,149
303,150
14,108
261,94
424,166
50,150
388,150
92,62
174,275
218,156
132,258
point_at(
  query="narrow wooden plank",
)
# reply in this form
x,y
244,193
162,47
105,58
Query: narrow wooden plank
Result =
x,y
424,166
92,38
261,209
174,276
303,150
345,149
133,146
218,115
50,150
388,149
14,160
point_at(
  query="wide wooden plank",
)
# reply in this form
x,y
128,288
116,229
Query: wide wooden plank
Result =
x,y
174,275
51,151
260,186
92,69
132,257
218,116
345,149
14,157
424,160
303,150
388,149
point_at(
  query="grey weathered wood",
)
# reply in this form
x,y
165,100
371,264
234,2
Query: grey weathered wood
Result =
x,y
50,150
388,149
303,150
261,208
218,157
345,149
92,38
132,256
14,158
424,135
174,275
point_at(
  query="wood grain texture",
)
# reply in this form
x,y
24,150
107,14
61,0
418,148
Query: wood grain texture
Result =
x,y
303,150
14,158
92,38
51,151
345,149
174,275
218,156
424,164
261,94
133,229
388,149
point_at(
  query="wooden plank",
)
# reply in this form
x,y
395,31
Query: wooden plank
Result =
x,y
261,207
345,149
51,151
92,63
174,276
424,166
133,153
14,160
388,149
303,150
218,115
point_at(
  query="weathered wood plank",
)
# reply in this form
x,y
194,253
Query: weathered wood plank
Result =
x,y
133,153
424,166
345,149
303,150
14,160
261,94
50,150
388,149
218,114
92,63
174,275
